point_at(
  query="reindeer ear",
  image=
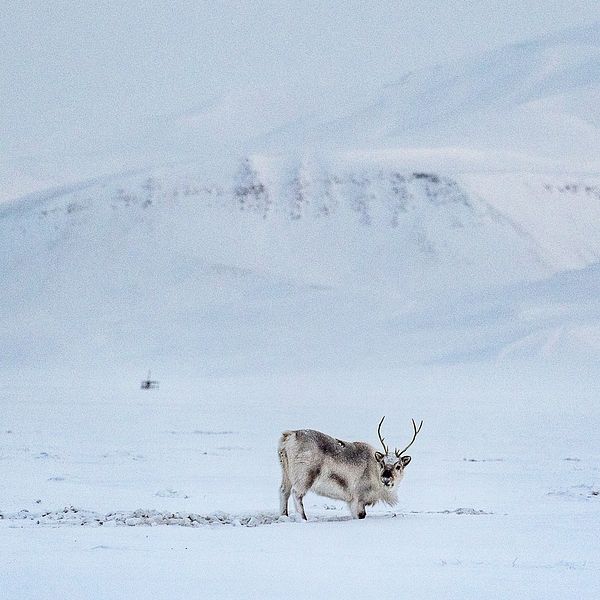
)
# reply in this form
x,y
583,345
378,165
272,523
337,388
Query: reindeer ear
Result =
x,y
405,460
379,456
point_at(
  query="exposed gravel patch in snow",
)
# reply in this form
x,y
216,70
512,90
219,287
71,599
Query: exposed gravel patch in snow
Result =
x,y
200,432
72,516
456,511
578,492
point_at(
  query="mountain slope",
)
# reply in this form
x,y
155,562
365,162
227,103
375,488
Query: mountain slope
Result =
x,y
286,265
537,98
411,230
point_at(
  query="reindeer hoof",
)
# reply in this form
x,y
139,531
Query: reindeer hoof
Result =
x,y
362,515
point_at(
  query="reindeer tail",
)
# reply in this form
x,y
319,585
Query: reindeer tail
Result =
x,y
282,449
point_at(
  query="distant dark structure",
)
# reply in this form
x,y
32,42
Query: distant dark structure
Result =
x,y
149,384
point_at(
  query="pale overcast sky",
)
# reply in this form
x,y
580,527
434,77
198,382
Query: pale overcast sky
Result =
x,y
72,70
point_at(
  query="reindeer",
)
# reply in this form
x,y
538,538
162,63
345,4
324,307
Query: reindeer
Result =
x,y
351,471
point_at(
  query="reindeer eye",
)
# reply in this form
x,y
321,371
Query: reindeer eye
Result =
x,y
397,467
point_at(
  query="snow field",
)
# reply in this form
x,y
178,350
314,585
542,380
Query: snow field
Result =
x,y
501,494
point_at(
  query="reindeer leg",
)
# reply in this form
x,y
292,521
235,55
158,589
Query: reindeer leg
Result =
x,y
286,485
284,495
298,503
357,509
302,485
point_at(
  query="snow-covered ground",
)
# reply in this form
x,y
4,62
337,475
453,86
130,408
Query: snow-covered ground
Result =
x,y
112,492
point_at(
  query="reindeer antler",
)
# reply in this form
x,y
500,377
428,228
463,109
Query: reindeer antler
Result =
x,y
416,431
381,439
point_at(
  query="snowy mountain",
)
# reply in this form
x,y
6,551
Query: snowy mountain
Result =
x,y
328,240
522,106
536,99
304,264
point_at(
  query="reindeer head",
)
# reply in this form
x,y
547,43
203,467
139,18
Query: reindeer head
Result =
x,y
392,465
